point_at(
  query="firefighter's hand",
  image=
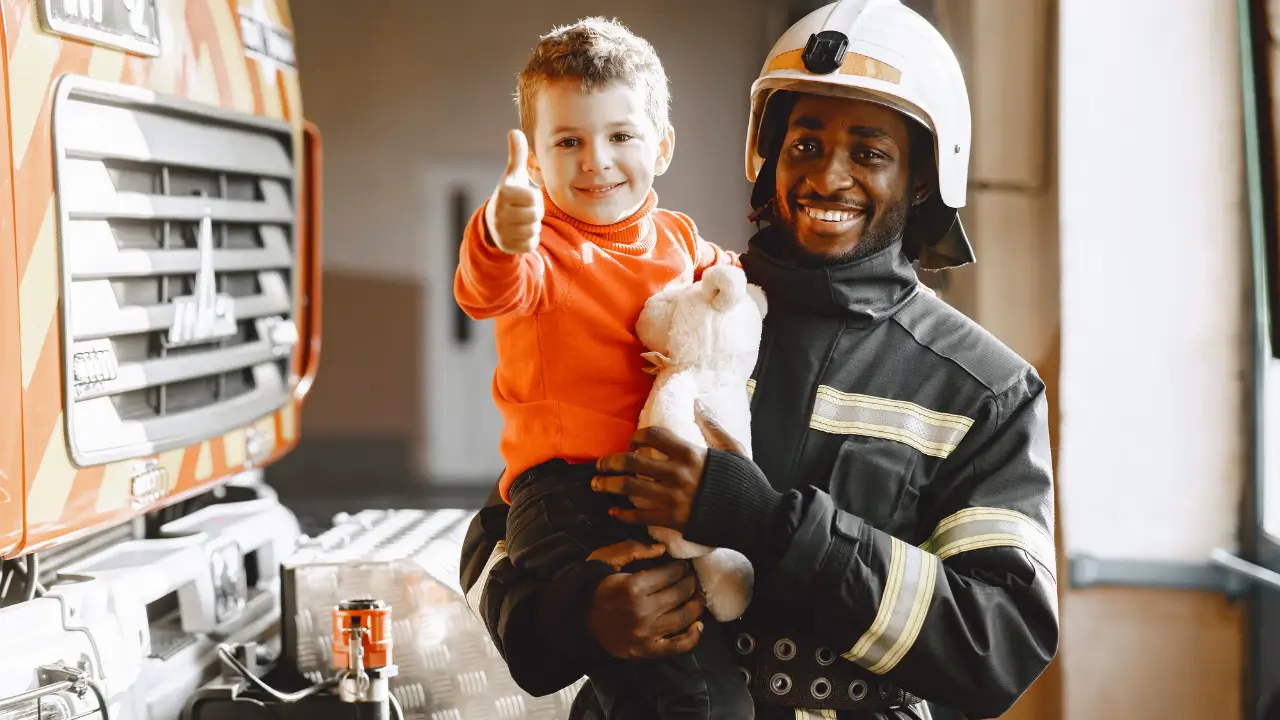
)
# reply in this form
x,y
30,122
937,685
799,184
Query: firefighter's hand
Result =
x,y
661,474
514,213
648,614
715,436
620,555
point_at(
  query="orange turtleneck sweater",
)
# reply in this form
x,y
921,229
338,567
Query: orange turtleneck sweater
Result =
x,y
570,382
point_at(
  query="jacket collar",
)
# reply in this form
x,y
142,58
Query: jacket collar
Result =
x,y
867,290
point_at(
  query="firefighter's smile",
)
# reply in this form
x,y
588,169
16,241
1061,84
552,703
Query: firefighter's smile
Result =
x,y
827,218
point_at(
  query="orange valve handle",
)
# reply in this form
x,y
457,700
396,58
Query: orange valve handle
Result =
x,y
372,619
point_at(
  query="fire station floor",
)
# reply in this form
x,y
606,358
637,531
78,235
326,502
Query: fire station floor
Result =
x,y
324,476
315,514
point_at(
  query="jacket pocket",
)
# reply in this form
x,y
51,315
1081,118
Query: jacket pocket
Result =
x,y
873,478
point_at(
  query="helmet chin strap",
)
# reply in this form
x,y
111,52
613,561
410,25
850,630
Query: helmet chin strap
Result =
x,y
762,214
764,201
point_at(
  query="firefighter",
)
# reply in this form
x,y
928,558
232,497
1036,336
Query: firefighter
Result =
x,y
898,507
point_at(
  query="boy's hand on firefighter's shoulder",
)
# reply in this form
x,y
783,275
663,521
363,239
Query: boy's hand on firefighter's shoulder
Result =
x,y
649,614
514,213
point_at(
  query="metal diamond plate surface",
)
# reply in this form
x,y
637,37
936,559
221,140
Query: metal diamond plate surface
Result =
x,y
449,669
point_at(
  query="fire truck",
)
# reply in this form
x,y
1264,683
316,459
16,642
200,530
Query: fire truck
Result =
x,y
159,331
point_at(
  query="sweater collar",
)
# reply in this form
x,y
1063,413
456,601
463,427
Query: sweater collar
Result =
x,y
634,235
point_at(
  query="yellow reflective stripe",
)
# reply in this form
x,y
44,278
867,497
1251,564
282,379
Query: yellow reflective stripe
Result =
x,y
751,388
816,714
853,64
924,414
982,527
932,433
884,432
476,593
908,592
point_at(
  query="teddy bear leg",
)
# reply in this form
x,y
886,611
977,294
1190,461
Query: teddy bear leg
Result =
x,y
726,577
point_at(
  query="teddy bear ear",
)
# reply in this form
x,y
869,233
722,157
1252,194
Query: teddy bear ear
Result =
x,y
757,296
725,283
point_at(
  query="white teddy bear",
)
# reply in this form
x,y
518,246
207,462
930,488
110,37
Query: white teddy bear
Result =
x,y
703,339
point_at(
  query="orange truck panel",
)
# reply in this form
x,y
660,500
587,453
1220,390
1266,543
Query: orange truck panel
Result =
x,y
10,357
203,60
311,231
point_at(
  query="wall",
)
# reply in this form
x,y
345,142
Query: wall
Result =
x,y
1152,456
399,86
1107,213
1271,496
1171,212
1006,49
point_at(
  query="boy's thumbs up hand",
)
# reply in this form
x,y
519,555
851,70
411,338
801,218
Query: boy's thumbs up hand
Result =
x,y
517,158
514,214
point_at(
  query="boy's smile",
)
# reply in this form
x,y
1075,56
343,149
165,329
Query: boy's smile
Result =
x,y
597,152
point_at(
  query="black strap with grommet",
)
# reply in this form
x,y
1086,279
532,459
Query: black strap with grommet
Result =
x,y
787,671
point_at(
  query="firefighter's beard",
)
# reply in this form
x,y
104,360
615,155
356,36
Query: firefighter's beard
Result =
x,y
884,230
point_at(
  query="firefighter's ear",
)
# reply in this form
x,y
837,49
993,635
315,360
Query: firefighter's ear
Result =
x,y
921,190
924,182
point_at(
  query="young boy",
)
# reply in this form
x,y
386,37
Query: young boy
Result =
x,y
565,271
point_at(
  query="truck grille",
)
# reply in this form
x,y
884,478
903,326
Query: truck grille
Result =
x,y
177,229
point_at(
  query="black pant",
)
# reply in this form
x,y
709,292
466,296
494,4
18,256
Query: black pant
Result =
x,y
556,520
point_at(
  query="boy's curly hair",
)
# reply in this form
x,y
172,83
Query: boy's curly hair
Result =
x,y
596,52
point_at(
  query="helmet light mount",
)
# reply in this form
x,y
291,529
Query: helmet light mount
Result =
x,y
825,51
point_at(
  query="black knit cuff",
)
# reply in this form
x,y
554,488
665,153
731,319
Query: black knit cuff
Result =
x,y
737,508
562,611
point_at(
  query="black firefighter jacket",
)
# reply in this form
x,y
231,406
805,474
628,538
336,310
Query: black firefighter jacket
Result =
x,y
898,512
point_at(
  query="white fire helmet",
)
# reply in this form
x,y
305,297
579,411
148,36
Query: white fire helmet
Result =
x,y
883,52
